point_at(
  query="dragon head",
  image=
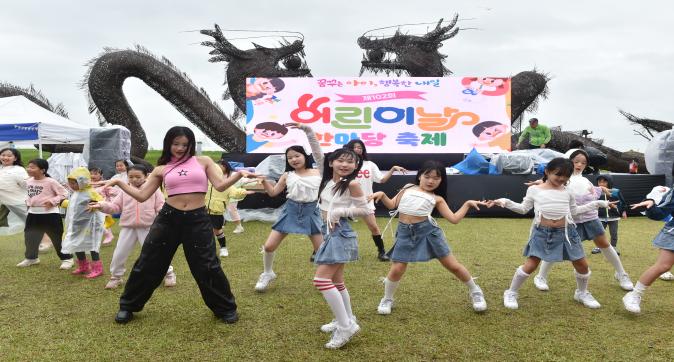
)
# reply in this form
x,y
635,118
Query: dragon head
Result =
x,y
287,60
415,55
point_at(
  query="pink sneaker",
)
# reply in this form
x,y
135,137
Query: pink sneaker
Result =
x,y
108,237
96,270
82,267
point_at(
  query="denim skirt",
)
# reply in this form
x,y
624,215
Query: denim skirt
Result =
x,y
299,218
550,244
420,241
339,246
665,239
590,229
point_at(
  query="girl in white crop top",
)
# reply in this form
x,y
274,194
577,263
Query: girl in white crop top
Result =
x,y
300,214
419,238
552,236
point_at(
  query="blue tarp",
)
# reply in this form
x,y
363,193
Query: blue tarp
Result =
x,y
475,164
18,132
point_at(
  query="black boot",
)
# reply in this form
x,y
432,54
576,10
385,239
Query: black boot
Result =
x,y
123,316
381,252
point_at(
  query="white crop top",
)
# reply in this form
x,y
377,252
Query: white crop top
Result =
x,y
331,200
302,188
416,203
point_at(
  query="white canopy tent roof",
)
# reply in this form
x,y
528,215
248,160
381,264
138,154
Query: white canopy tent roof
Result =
x,y
51,128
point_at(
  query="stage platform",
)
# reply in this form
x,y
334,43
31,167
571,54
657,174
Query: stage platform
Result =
x,y
465,187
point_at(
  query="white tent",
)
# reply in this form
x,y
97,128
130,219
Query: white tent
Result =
x,y
29,123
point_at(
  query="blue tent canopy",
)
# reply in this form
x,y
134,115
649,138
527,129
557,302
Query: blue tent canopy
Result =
x,y
18,132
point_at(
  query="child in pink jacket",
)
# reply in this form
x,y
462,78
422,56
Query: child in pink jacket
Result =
x,y
135,221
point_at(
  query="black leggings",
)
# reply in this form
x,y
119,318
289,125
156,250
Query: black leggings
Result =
x,y
82,255
36,226
171,228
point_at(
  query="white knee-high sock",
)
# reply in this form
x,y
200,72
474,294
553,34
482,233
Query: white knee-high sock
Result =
x,y
582,280
612,256
518,279
268,261
334,299
390,288
346,298
545,269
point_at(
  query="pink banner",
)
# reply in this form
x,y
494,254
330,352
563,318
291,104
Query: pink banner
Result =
x,y
376,97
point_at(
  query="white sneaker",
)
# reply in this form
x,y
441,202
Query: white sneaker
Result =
x,y
624,280
238,229
667,276
477,298
510,299
66,264
43,248
631,301
541,283
385,306
28,262
224,252
170,279
342,336
586,298
332,326
264,280
113,283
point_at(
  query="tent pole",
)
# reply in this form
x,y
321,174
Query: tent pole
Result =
x,y
39,141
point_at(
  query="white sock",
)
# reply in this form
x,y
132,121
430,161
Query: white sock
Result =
x,y
640,288
612,256
346,298
582,280
268,261
518,279
334,299
545,269
472,287
390,288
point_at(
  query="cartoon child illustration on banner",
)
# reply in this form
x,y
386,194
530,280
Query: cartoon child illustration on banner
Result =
x,y
268,134
492,134
260,91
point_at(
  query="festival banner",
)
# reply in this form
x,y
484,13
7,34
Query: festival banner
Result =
x,y
390,115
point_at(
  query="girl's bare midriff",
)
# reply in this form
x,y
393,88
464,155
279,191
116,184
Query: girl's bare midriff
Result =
x,y
559,223
186,202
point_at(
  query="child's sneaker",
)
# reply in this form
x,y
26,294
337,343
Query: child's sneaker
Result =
x,y
108,237
224,252
28,262
170,279
264,281
96,270
586,298
632,301
82,267
596,250
541,283
43,248
624,280
113,283
477,298
385,306
667,276
510,299
332,326
340,336
66,264
238,229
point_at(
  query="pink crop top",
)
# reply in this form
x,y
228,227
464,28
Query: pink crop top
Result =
x,y
184,178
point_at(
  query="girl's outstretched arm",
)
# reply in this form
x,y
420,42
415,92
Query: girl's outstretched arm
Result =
x,y
390,172
316,150
276,189
455,217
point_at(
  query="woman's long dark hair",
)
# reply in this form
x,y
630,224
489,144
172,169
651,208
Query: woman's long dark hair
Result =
x,y
16,154
580,152
172,133
439,168
343,184
42,164
362,145
308,161
560,166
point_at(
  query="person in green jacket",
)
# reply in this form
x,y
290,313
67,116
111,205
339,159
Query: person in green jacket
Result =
x,y
534,136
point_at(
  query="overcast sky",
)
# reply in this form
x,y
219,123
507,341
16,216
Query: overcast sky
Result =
x,y
602,55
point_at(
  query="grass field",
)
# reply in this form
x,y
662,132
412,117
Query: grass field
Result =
x,y
48,314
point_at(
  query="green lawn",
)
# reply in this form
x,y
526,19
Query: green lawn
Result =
x,y
48,314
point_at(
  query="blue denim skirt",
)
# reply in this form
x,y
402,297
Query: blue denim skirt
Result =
x,y
590,229
339,246
550,244
421,241
665,239
299,218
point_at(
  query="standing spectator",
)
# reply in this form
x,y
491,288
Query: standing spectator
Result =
x,y
13,182
534,136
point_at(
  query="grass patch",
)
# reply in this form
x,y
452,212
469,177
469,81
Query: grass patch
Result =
x,y
47,313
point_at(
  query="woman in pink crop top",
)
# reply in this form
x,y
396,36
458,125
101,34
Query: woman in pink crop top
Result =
x,y
182,219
